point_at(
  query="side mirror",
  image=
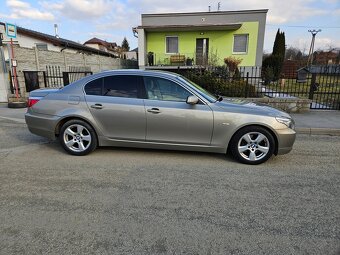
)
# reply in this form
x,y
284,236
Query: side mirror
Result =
x,y
192,100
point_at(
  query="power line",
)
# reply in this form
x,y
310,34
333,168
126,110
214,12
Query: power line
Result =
x,y
301,26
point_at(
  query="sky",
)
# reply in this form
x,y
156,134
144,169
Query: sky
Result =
x,y
112,20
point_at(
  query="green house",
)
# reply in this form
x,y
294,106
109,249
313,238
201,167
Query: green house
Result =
x,y
183,40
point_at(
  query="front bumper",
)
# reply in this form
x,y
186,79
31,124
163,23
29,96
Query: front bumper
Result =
x,y
42,124
286,138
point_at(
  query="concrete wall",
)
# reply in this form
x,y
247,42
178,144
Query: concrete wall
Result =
x,y
36,60
290,105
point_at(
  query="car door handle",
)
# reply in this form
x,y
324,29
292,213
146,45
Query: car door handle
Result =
x,y
154,110
97,106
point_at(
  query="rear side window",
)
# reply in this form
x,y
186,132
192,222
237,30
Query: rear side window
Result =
x,y
94,87
116,86
122,86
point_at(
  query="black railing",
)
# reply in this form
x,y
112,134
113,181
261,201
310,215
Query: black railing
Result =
x,y
320,84
53,77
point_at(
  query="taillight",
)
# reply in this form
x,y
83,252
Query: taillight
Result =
x,y
32,101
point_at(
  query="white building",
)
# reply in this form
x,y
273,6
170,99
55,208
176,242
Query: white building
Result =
x,y
26,38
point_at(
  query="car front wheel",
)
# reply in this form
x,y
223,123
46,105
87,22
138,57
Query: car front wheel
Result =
x,y
78,138
252,145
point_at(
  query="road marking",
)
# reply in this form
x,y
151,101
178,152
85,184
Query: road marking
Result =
x,y
13,119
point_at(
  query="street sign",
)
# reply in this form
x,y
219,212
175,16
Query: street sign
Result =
x,y
11,30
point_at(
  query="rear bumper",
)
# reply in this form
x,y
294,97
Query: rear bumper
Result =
x,y
286,138
41,124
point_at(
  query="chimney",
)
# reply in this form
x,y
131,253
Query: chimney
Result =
x,y
56,30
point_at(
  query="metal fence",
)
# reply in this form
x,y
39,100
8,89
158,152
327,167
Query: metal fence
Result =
x,y
54,77
320,84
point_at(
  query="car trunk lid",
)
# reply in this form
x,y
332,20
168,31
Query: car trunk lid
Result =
x,y
36,95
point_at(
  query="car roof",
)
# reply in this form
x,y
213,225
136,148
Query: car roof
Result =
x,y
86,79
139,71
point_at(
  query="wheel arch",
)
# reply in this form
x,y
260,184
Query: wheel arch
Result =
x,y
257,125
68,118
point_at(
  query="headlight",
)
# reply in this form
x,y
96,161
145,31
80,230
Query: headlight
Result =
x,y
287,121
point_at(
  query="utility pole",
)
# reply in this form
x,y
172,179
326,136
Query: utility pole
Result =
x,y
311,49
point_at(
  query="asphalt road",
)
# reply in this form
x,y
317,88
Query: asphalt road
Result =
x,y
129,201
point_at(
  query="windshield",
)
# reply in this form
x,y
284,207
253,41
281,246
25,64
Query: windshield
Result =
x,y
206,94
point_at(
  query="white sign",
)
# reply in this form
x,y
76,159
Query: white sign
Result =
x,y
11,30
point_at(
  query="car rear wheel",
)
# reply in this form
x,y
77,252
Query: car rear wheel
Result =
x,y
78,138
252,145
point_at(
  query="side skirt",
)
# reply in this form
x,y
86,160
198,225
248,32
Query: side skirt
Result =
x,y
103,141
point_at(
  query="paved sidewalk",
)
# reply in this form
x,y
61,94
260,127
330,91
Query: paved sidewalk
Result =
x,y
315,122
318,122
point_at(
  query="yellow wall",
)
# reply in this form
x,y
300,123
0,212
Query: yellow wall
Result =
x,y
220,43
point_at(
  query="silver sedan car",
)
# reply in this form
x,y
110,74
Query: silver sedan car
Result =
x,y
159,110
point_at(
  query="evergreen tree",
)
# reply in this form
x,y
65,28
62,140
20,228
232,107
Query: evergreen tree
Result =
x,y
279,47
279,50
125,45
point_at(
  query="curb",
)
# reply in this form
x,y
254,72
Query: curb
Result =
x,y
318,131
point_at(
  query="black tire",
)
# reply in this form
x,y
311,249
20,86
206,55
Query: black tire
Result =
x,y
252,152
82,135
17,105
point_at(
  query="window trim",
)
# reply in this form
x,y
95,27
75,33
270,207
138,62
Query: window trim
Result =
x,y
173,36
240,52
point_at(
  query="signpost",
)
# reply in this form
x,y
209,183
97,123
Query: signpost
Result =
x,y
11,31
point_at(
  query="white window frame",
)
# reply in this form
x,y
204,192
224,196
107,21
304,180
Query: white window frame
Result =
x,y
236,52
37,45
170,36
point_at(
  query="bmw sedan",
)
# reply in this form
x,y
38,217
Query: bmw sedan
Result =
x,y
158,110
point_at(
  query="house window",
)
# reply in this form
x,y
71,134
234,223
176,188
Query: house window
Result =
x,y
41,46
240,44
171,44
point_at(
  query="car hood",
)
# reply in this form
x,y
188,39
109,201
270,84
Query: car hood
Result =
x,y
244,106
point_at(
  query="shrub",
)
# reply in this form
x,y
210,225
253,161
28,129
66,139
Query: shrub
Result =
x,y
232,63
271,67
218,84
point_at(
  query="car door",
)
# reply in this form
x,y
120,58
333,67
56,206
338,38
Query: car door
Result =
x,y
117,106
170,119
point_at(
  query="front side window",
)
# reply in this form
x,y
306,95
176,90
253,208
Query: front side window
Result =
x,y
240,43
171,44
165,90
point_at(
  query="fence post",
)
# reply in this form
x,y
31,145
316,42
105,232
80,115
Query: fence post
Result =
x,y
45,80
312,86
247,86
37,58
66,79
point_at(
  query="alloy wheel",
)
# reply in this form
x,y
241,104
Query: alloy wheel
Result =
x,y
253,146
77,138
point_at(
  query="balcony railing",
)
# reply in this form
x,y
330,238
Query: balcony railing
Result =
x,y
176,59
